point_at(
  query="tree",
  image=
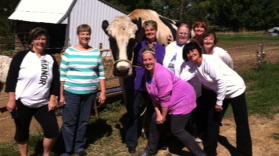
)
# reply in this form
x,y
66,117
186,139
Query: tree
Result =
x,y
6,9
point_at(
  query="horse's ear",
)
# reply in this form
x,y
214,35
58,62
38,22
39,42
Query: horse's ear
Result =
x,y
105,25
140,32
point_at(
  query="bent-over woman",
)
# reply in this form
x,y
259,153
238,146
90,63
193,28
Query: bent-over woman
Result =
x,y
230,88
171,96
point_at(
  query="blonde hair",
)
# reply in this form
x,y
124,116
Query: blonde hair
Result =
x,y
149,50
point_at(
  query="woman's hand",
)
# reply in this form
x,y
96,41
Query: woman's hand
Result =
x,y
160,119
218,108
11,105
62,100
102,98
53,102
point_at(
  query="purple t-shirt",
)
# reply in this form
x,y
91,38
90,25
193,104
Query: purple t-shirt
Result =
x,y
171,92
138,81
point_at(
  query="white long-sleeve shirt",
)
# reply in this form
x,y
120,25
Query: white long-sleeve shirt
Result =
x,y
216,75
173,61
223,55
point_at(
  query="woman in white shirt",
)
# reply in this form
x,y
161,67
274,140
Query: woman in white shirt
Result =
x,y
230,88
210,48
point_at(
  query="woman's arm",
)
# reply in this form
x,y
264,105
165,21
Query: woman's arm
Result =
x,y
63,75
215,72
62,100
12,78
102,96
11,105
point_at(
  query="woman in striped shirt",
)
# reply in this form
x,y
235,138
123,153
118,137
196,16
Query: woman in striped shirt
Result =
x,y
81,73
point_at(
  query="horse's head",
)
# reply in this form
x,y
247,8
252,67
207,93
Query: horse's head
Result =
x,y
123,35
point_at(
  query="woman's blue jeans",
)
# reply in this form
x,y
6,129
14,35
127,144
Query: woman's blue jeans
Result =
x,y
76,115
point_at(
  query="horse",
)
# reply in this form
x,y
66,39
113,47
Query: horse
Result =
x,y
126,31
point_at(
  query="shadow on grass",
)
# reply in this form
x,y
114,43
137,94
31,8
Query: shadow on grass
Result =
x,y
176,147
98,129
125,122
224,141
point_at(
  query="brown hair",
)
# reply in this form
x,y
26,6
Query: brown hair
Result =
x,y
36,32
201,24
83,28
151,23
208,33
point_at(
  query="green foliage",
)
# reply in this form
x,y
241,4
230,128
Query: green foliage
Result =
x,y
8,149
263,90
6,9
234,15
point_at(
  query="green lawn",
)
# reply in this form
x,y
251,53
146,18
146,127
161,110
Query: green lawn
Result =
x,y
263,90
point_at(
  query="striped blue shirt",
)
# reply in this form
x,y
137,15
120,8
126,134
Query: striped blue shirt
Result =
x,y
81,71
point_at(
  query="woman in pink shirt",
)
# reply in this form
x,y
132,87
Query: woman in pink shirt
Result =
x,y
171,96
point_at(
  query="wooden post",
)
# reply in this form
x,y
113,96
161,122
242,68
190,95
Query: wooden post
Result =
x,y
260,55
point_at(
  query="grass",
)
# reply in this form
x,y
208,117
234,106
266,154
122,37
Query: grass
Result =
x,y
250,37
244,39
10,149
263,90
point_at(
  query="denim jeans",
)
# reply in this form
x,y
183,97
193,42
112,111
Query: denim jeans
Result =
x,y
76,115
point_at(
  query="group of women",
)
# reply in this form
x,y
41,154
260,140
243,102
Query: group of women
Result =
x,y
33,86
196,80
189,78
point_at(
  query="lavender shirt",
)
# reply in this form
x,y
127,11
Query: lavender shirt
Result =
x,y
139,79
171,92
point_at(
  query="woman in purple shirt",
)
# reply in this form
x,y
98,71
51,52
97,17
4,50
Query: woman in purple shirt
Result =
x,y
171,96
137,97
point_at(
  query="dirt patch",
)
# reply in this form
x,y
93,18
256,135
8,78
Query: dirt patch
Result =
x,y
262,132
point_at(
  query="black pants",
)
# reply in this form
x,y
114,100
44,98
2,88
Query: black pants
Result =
x,y
243,141
177,125
137,101
23,115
